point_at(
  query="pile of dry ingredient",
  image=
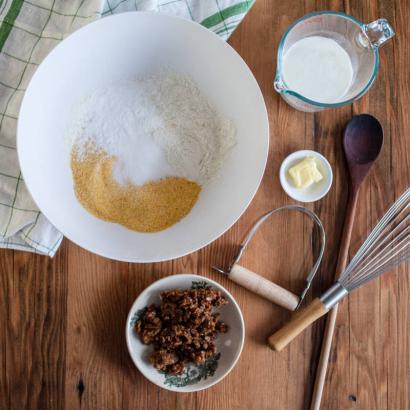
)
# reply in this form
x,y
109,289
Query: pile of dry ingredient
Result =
x,y
151,207
143,149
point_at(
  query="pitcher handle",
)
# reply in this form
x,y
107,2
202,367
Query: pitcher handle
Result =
x,y
378,32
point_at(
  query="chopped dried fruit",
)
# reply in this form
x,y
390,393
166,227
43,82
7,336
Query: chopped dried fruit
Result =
x,y
183,328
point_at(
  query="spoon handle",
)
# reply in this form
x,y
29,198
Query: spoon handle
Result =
x,y
331,318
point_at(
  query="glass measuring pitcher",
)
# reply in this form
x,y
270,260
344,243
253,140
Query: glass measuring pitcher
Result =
x,y
360,41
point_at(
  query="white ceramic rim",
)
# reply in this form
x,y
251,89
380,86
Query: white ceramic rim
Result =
x,y
193,276
205,242
301,154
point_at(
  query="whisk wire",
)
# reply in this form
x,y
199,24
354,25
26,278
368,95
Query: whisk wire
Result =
x,y
386,246
390,216
378,266
383,269
368,262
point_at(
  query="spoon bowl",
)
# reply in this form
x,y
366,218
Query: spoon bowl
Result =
x,y
362,143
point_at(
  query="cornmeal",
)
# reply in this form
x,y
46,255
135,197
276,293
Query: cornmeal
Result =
x,y
150,207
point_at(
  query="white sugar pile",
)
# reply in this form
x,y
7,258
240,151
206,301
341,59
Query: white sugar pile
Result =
x,y
156,127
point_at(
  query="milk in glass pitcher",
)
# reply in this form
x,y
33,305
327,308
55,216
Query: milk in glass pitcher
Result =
x,y
328,59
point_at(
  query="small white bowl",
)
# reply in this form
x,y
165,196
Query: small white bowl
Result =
x,y
315,191
195,377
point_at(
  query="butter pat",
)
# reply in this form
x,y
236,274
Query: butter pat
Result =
x,y
305,173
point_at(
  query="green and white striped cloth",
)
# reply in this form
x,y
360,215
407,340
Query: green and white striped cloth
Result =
x,y
29,29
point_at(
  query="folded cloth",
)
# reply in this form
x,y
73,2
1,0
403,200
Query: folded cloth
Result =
x,y
220,16
29,29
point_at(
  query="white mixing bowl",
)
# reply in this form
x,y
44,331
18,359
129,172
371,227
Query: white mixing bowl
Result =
x,y
119,47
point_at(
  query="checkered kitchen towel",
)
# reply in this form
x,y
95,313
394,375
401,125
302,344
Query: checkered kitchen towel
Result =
x,y
29,29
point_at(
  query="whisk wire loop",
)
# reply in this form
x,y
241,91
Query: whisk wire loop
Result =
x,y
387,245
368,263
390,215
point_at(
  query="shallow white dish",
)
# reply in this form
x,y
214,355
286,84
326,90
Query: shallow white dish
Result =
x,y
315,191
195,377
119,47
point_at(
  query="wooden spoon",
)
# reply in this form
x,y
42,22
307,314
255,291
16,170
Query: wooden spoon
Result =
x,y
362,142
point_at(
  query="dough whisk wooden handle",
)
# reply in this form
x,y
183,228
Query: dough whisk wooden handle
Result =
x,y
263,287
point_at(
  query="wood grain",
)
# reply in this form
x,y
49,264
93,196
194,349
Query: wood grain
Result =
x,y
62,320
34,294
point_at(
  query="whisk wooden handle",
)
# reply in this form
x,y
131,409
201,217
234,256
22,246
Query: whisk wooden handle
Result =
x,y
300,321
263,287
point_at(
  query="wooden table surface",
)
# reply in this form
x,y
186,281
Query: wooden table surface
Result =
x,y
62,319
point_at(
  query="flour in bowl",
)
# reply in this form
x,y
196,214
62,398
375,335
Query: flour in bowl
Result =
x,y
144,148
156,127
